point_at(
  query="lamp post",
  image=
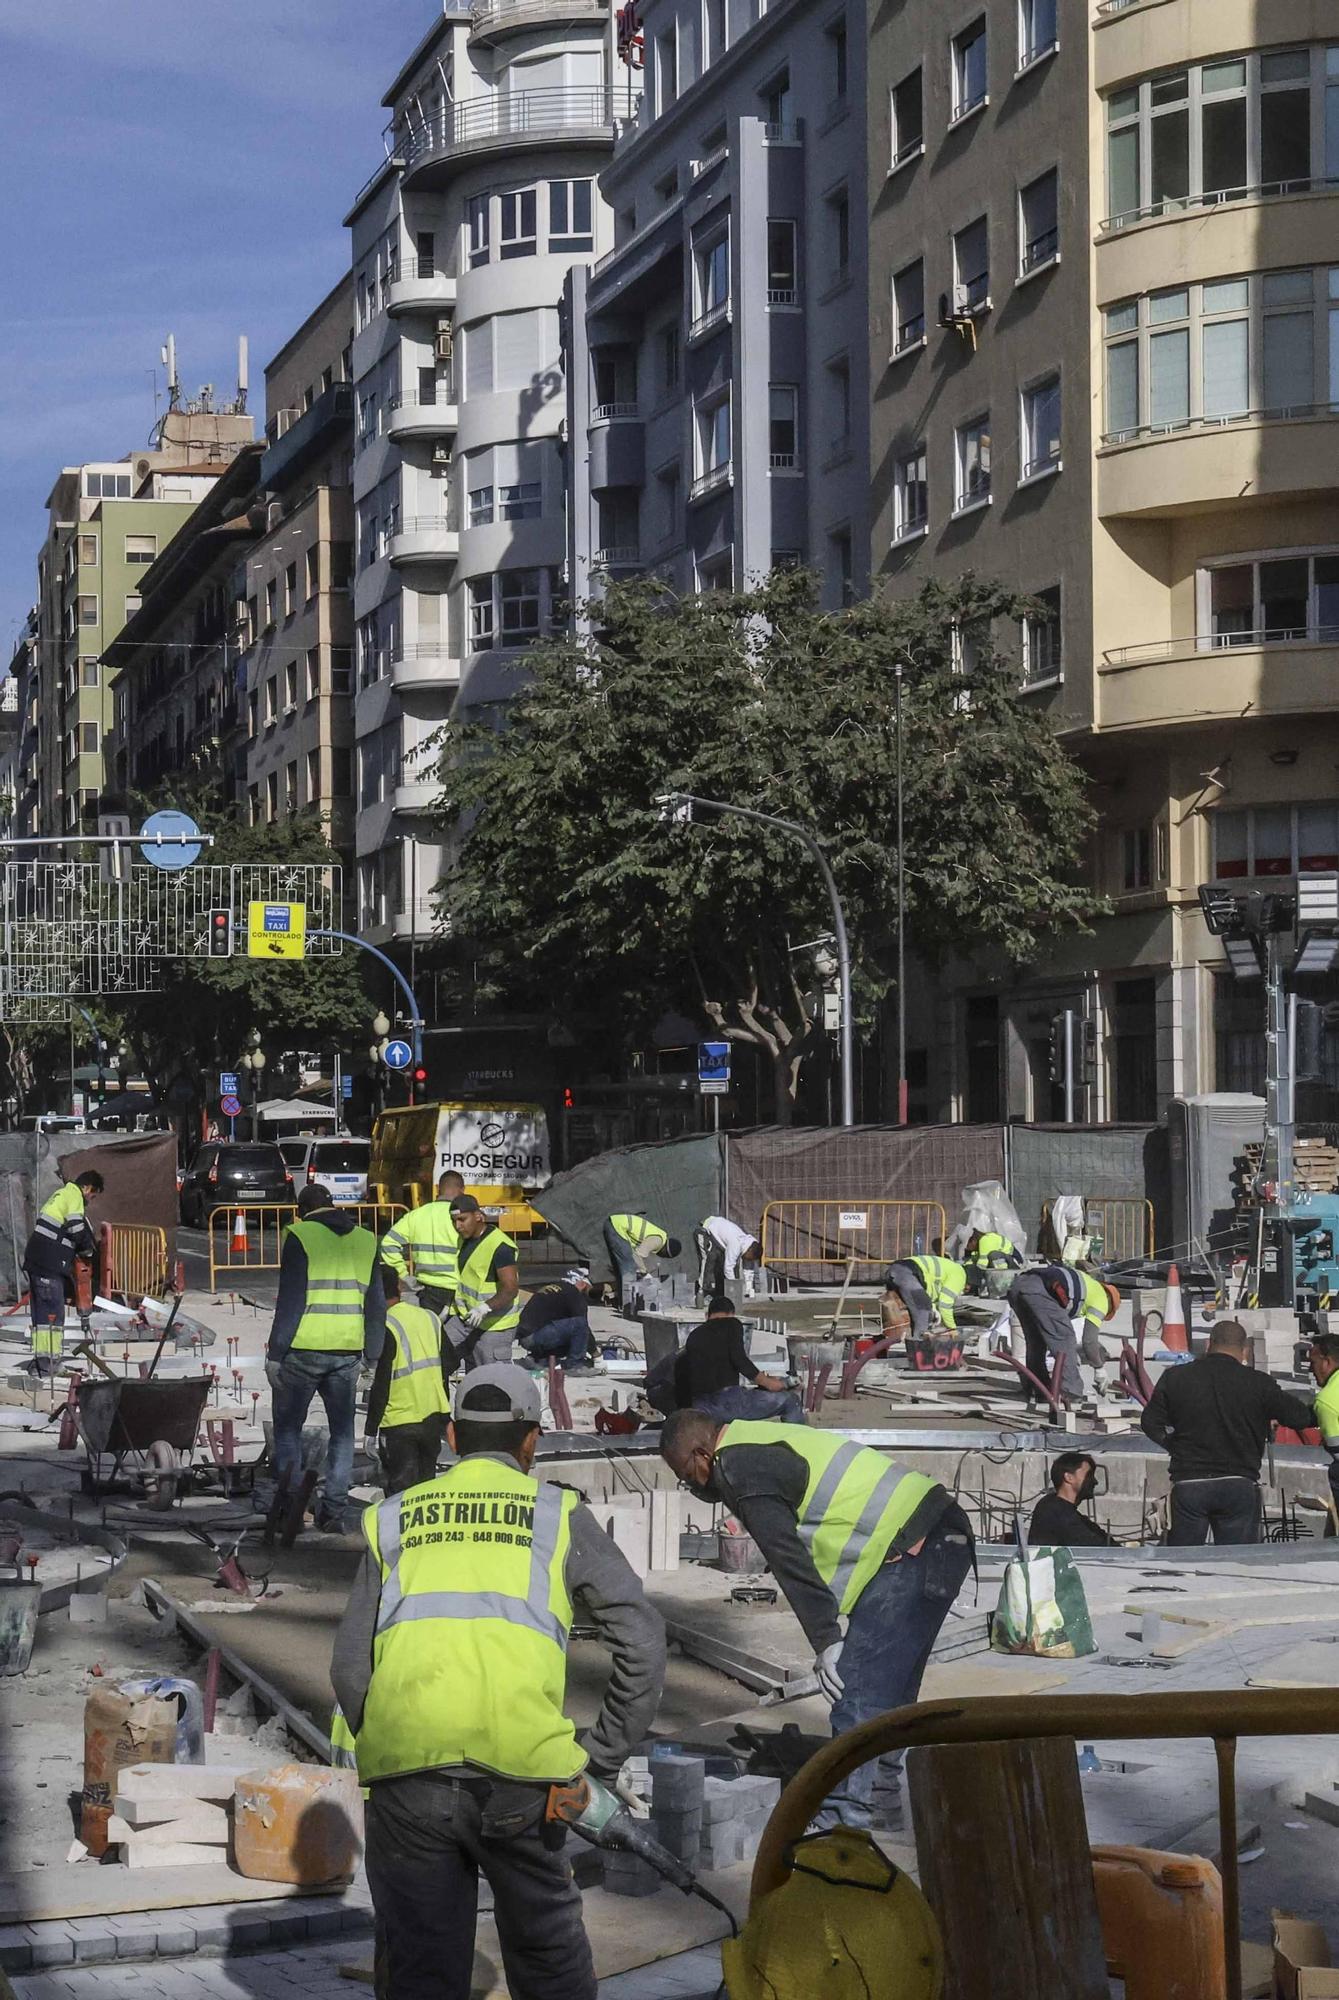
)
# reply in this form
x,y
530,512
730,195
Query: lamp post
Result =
x,y
901,912
672,805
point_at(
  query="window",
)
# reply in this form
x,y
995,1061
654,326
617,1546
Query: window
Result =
x,y
516,230
341,670
518,605
367,417
87,608
88,739
839,401
835,37
88,551
971,464
107,485
313,672
911,495
476,230
716,572
253,805
480,506
909,307
968,52
1036,30
1136,857
1042,658
782,270
971,267
1041,427
713,277
1271,601
131,604
667,69
615,370
839,577
481,613
715,30
290,687
839,234
775,99
89,671
290,589
291,787
908,119
313,776
1038,223
713,442
618,531
668,343
522,502
312,571
783,436
253,713
1276,840
668,489
570,216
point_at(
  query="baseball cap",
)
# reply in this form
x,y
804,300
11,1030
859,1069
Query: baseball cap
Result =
x,y
314,1197
464,1204
520,1388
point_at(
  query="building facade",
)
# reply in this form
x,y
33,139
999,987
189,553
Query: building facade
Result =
x,y
718,374
1104,344
499,123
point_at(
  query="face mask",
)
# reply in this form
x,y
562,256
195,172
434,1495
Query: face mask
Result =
x,y
1089,1486
708,1490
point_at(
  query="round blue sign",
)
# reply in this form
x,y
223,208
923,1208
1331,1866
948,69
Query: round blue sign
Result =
x,y
397,1055
174,853
231,1107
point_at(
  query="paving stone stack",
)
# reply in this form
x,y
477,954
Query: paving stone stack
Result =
x,y
734,1813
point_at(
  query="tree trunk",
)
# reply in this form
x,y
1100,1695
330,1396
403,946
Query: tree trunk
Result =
x,y
783,1098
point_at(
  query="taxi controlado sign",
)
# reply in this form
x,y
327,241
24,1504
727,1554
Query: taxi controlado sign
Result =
x,y
276,930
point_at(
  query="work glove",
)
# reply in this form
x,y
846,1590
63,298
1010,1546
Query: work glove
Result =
x,y
477,1318
825,1666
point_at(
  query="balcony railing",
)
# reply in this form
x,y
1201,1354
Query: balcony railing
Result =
x,y
622,555
782,295
1153,650
1291,412
1033,468
783,132
1183,204
707,482
409,399
1118,6
1043,249
522,114
444,523
492,17
911,151
607,413
782,461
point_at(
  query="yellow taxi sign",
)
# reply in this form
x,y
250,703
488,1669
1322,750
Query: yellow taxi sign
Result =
x,y
276,930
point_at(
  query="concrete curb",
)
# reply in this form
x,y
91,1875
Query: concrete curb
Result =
x,y
221,1930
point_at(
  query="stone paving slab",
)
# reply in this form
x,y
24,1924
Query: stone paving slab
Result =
x,y
221,1928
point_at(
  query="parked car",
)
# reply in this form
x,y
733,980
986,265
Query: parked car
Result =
x,y
338,1165
231,1176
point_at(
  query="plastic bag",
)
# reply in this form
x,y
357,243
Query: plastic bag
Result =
x,y
1042,1609
986,1206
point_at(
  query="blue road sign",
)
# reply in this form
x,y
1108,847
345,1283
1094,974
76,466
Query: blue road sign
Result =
x,y
228,1084
231,1105
713,1068
397,1055
346,1085
176,853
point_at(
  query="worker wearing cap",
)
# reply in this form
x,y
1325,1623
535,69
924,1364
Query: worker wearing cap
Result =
x,y
929,1288
634,1244
487,1284
422,1244
450,1670
848,1534
1323,1361
407,1403
988,1253
555,1321
61,1233
1049,1300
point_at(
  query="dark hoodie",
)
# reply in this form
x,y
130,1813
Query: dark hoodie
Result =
x,y
292,1299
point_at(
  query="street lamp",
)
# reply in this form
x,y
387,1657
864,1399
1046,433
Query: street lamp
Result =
x,y
381,1027
679,807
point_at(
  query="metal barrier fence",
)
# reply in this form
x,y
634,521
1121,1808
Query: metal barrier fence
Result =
x,y
263,1231
818,1242
134,1260
1123,1223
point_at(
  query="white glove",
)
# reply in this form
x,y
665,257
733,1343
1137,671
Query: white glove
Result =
x,y
475,1319
825,1666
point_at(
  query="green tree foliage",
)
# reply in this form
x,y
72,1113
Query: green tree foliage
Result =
x,y
569,885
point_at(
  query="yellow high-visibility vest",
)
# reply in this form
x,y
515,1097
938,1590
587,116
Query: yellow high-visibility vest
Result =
x,y
636,1230
430,1235
417,1389
339,1271
944,1280
474,1286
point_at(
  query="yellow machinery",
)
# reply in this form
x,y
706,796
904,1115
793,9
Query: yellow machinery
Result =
x,y
500,1150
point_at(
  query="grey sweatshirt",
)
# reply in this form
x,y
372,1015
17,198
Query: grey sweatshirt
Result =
x,y
603,1588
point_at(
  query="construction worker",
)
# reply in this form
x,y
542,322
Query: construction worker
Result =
x,y
407,1403
725,1256
487,1284
987,1250
61,1233
847,1533
555,1322
422,1244
450,1669
1324,1364
1048,1300
634,1243
714,1372
329,1317
1057,1520
929,1288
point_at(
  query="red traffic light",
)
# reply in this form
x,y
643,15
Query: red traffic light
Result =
x,y
220,933
420,1074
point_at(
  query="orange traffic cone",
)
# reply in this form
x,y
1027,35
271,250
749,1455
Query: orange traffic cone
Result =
x,y
1174,1332
239,1233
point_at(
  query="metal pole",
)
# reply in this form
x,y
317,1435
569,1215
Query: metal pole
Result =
x,y
415,1018
901,915
1069,1065
339,1097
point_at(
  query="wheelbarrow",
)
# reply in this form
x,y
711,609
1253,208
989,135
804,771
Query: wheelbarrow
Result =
x,y
153,1425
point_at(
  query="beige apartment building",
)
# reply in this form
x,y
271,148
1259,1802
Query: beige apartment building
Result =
x,y
1105,366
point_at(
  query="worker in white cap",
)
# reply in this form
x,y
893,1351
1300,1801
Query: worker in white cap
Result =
x,y
555,1321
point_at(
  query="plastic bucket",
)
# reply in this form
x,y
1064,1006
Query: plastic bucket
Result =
x,y
739,1552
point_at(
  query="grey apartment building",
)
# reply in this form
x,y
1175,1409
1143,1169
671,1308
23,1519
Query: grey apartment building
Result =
x,y
718,382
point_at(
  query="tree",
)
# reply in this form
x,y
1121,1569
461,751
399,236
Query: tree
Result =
x,y
569,884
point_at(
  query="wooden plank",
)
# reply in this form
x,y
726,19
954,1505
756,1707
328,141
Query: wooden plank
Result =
x,y
46,1895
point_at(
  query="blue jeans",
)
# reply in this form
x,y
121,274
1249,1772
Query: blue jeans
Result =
x,y
304,1373
623,1261
889,1637
567,1339
754,1406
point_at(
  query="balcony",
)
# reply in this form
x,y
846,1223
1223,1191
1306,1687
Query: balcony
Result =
x,y
1196,680
622,557
417,795
314,433
424,668
426,538
613,413
408,417
523,118
1209,461
711,481
422,921
491,20
418,285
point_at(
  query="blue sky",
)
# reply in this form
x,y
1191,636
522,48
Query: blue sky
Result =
x,y
167,166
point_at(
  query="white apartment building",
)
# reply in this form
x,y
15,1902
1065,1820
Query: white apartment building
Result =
x,y
499,123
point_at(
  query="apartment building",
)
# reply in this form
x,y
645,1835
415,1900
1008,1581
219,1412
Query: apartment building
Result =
x,y
718,381
107,522
500,121
1104,354
20,739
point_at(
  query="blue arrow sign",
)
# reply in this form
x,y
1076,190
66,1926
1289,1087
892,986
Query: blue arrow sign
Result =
x,y
397,1055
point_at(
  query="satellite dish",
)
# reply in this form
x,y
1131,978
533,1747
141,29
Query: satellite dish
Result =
x,y
176,852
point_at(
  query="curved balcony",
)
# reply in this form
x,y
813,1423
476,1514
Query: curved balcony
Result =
x,y
1211,461
491,20
424,669
1212,236
427,538
418,795
1133,38
408,417
418,285
1195,680
510,120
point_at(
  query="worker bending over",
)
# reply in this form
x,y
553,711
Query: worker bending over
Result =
x,y
708,1371
487,1284
987,1254
1048,1299
555,1322
929,1288
407,1403
450,1668
422,1244
634,1244
61,1233
725,1255
1057,1522
1324,1363
329,1317
847,1533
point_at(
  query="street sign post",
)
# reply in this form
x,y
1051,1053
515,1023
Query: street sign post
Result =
x,y
713,1068
228,1086
397,1055
276,930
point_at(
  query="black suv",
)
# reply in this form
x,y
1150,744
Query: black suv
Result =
x,y
231,1176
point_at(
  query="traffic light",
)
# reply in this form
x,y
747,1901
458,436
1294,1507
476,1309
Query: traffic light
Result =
x,y
1059,1047
420,1076
220,933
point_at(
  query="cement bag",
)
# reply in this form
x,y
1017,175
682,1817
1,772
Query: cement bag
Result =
x,y
1042,1608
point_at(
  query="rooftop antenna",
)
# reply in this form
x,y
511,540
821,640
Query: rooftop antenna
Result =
x,y
243,372
169,356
